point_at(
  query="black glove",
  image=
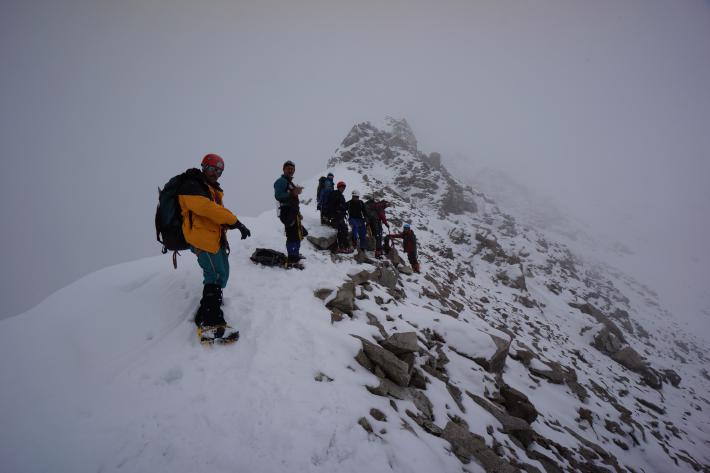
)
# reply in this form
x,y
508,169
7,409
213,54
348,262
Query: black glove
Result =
x,y
242,229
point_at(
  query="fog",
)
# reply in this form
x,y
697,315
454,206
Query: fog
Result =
x,y
602,105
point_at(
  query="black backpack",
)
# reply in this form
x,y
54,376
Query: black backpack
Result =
x,y
321,183
168,218
269,257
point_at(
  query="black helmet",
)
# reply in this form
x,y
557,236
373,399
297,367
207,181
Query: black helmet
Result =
x,y
288,163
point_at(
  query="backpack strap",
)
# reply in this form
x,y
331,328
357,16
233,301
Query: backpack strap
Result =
x,y
175,255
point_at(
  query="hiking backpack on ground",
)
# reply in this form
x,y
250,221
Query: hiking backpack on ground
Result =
x,y
269,257
168,218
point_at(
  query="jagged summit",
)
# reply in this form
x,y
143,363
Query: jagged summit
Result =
x,y
398,134
391,163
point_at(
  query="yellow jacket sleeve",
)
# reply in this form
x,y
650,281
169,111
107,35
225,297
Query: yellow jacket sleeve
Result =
x,y
206,208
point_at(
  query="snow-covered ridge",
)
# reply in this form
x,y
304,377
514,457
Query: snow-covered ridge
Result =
x,y
509,353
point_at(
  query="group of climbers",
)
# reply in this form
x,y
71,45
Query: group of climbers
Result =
x,y
366,218
203,221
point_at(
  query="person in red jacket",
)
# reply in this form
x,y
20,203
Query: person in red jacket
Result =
x,y
375,213
409,241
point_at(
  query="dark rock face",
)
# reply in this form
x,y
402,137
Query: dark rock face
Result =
x,y
402,135
388,388
610,340
365,424
514,426
554,373
517,404
468,446
497,362
323,294
344,299
388,277
455,201
322,243
607,342
523,355
459,236
401,343
671,377
629,358
378,415
494,363
651,377
395,369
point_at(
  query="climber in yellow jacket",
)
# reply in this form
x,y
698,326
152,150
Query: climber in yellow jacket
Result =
x,y
204,224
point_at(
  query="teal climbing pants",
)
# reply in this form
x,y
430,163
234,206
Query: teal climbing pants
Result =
x,y
215,267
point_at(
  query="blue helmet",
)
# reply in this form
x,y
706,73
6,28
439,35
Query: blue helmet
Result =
x,y
406,226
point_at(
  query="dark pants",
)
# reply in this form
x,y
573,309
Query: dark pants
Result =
x,y
375,227
342,228
412,257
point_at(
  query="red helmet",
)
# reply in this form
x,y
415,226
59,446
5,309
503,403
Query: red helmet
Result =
x,y
340,184
213,160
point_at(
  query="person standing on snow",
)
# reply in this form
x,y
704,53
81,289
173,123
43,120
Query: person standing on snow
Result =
x,y
204,220
336,209
375,212
356,218
286,193
409,241
325,187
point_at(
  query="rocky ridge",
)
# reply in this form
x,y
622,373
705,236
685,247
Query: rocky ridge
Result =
x,y
569,366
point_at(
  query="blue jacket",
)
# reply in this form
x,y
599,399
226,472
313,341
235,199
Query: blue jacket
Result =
x,y
328,186
282,191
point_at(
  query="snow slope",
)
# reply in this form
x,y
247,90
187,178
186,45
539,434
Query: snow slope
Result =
x,y
107,374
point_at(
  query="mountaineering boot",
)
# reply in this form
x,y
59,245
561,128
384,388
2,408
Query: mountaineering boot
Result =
x,y
210,314
415,267
212,329
294,262
218,290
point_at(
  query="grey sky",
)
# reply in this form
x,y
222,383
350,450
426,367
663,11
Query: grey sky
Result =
x,y
602,104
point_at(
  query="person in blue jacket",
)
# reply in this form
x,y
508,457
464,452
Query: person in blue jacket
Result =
x,y
326,187
286,193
